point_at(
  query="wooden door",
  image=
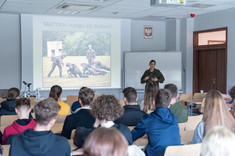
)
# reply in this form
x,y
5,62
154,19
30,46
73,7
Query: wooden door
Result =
x,y
211,68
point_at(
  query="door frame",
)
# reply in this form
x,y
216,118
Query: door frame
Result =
x,y
196,49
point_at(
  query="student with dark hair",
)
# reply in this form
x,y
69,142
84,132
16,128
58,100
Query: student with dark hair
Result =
x,y
175,107
76,105
161,126
105,109
82,117
8,106
152,75
132,113
99,143
56,93
22,108
41,141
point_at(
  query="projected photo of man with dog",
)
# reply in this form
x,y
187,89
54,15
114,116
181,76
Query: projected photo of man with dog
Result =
x,y
76,58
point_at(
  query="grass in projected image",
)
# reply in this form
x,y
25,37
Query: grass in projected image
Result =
x,y
93,77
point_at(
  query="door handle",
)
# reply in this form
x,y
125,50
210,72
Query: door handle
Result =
x,y
213,81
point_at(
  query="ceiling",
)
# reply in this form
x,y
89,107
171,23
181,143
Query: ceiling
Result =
x,y
132,9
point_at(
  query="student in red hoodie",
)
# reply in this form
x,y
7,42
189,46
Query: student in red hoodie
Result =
x,y
22,108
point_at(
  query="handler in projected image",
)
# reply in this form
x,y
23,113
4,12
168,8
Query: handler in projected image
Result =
x,y
56,61
90,55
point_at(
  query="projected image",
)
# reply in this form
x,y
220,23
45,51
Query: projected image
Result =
x,y
74,59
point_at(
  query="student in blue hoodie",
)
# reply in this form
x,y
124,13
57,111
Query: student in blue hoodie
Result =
x,y
161,126
41,141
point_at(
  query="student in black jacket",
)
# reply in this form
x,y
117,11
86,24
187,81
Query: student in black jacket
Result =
x,y
8,106
132,113
105,109
82,117
41,141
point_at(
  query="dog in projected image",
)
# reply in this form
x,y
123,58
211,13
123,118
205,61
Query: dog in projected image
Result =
x,y
97,68
74,71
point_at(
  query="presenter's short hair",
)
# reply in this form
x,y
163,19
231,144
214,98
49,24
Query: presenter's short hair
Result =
x,y
46,110
172,88
152,61
106,107
130,94
163,98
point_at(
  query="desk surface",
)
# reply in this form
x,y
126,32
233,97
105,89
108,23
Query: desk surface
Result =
x,y
57,128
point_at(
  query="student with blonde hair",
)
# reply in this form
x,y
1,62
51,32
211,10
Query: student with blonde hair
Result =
x,y
105,142
215,113
219,141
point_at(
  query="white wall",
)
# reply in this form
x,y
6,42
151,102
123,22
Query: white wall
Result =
x,y
10,58
217,20
157,43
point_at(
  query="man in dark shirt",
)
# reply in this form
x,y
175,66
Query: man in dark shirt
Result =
x,y
152,75
82,117
132,113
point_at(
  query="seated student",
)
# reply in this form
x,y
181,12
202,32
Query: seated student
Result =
x,y
76,104
161,126
41,141
82,118
56,93
105,142
22,108
232,95
215,113
219,141
150,92
175,107
8,106
132,113
105,109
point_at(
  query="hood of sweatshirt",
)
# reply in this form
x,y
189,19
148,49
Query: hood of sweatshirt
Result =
x,y
38,142
28,123
164,114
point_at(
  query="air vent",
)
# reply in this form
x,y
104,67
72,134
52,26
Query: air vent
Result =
x,y
77,7
200,5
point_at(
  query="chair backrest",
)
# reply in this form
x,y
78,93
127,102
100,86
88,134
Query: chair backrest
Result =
x,y
7,120
184,97
189,150
71,99
122,102
72,133
192,122
198,97
186,136
32,100
203,105
5,150
60,118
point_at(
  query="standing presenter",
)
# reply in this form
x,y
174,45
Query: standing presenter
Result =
x,y
152,75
